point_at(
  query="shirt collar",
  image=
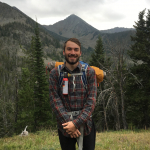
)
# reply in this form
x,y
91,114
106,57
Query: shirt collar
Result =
x,y
64,67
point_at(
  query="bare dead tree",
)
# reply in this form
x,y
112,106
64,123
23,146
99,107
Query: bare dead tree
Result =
x,y
115,77
119,74
102,99
118,54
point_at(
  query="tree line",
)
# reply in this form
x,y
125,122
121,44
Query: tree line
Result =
x,y
122,98
24,98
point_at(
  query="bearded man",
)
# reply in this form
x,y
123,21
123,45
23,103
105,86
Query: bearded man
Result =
x,y
74,110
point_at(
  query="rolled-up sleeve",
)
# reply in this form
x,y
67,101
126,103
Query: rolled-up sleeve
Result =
x,y
90,101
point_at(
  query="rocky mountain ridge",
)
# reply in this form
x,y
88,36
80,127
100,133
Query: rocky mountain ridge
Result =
x,y
8,14
72,23
116,30
74,26
17,26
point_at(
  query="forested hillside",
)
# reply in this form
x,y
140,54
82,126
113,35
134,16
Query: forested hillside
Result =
x,y
17,26
16,33
123,97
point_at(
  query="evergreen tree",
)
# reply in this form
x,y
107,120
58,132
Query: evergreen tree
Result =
x,y
148,37
138,49
34,108
26,102
140,54
97,57
42,114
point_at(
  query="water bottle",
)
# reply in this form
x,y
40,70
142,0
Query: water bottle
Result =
x,y
65,86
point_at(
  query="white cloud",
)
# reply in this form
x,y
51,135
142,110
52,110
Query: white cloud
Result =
x,y
102,14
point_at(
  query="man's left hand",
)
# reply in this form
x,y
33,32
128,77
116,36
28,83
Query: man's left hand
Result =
x,y
69,127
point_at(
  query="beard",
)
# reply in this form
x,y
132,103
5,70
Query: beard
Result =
x,y
72,62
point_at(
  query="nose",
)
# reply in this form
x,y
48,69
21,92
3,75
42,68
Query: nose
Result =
x,y
72,51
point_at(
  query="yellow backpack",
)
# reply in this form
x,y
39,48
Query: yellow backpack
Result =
x,y
100,74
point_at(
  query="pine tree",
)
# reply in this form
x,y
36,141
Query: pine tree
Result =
x,y
140,54
26,102
34,107
148,37
42,114
97,57
137,52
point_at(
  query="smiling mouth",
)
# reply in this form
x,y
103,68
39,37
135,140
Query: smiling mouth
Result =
x,y
72,57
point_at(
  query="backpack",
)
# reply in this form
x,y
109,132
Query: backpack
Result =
x,y
100,74
83,74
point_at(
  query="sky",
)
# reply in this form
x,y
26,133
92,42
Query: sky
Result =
x,y
101,14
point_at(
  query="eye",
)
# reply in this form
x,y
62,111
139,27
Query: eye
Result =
x,y
76,49
69,48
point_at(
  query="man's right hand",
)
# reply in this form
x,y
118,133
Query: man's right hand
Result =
x,y
75,134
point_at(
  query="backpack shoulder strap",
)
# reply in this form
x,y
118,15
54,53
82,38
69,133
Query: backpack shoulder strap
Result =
x,y
60,75
84,75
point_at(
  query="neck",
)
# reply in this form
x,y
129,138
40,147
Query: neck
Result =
x,y
71,67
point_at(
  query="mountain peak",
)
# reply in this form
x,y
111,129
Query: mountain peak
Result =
x,y
74,17
72,26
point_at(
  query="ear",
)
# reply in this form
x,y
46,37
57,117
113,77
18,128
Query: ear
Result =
x,y
63,52
80,53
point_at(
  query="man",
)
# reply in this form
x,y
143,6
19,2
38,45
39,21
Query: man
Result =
x,y
79,99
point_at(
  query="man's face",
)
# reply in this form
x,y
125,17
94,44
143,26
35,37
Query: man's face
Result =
x,y
72,53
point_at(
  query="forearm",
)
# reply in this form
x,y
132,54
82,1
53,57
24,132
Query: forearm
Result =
x,y
85,115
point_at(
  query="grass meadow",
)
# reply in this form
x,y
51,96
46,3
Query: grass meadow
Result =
x,y
48,140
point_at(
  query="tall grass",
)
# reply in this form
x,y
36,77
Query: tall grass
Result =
x,y
48,140
123,140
